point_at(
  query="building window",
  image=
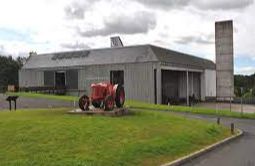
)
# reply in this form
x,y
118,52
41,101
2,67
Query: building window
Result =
x,y
117,77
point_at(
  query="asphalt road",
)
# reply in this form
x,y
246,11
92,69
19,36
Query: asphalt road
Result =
x,y
23,102
240,152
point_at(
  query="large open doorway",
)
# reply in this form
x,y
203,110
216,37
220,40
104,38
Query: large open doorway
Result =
x,y
117,77
175,89
170,86
60,79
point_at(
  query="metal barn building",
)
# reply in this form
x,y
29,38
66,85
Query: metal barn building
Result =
x,y
148,73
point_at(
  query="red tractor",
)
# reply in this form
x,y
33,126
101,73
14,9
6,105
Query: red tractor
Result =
x,y
104,95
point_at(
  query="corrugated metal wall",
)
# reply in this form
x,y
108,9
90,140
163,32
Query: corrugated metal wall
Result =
x,y
31,78
49,78
138,79
72,79
210,83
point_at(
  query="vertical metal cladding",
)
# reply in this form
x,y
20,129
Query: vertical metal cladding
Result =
x,y
224,59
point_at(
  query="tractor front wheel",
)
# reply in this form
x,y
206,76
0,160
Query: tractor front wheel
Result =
x,y
120,96
84,103
109,103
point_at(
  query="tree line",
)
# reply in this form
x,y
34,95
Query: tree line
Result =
x,y
244,85
9,70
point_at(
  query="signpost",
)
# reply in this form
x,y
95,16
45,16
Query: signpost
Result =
x,y
10,99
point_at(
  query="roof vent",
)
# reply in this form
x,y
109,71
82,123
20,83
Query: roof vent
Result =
x,y
32,53
116,42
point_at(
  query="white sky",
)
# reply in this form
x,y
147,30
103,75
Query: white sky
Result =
x,y
182,25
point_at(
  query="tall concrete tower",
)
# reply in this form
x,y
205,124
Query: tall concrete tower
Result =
x,y
224,60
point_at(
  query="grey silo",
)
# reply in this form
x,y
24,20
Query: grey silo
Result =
x,y
224,59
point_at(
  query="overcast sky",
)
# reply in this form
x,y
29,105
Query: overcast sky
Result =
x,y
183,25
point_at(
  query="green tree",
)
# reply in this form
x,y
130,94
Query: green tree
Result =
x,y
9,69
247,83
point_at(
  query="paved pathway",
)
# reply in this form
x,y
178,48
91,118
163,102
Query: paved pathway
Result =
x,y
23,102
248,108
240,152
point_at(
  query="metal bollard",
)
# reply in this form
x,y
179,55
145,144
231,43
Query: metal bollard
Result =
x,y
232,128
74,104
218,120
15,105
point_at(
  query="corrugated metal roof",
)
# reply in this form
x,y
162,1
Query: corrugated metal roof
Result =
x,y
178,58
130,54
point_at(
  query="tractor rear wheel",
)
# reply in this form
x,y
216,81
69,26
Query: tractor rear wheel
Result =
x,y
84,103
109,103
120,96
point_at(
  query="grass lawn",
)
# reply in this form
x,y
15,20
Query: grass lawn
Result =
x,y
52,137
195,110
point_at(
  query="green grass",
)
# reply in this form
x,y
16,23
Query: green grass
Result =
x,y
52,137
195,110
44,96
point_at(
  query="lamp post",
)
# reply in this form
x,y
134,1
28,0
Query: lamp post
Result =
x,y
241,100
